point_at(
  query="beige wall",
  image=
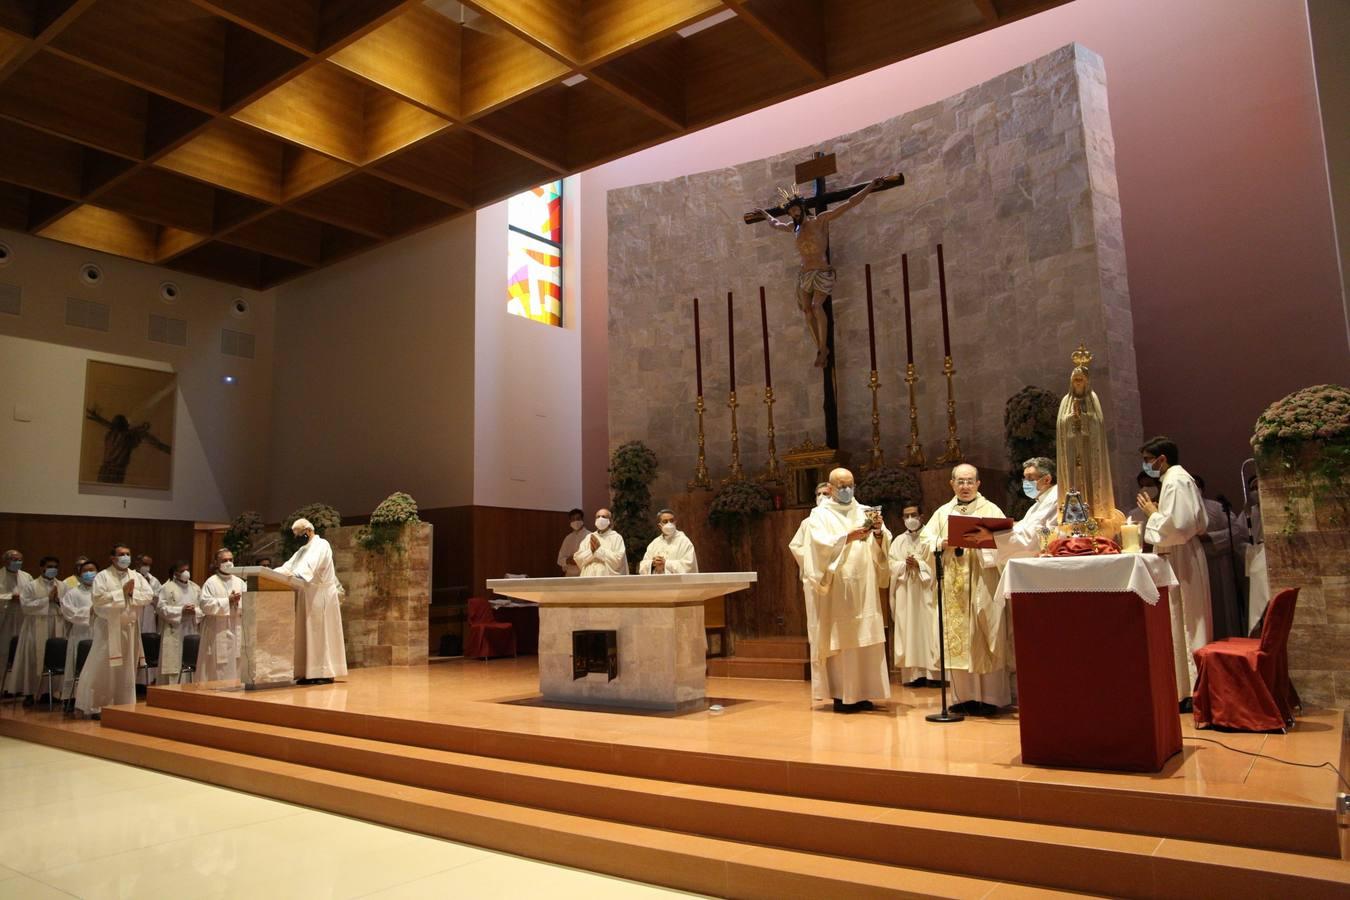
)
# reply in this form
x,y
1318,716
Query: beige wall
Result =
x,y
375,377
219,461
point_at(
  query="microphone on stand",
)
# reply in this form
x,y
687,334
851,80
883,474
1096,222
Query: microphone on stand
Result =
x,y
946,715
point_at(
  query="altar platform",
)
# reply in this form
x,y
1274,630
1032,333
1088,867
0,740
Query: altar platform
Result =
x,y
770,797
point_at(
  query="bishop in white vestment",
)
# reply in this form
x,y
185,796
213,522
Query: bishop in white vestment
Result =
x,y
320,654
670,552
799,547
602,552
975,623
914,604
179,601
109,675
218,652
1174,526
38,600
848,554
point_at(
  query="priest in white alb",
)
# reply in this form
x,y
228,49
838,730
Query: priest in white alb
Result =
x,y
1174,526
40,601
670,552
603,551
13,580
847,545
1024,538
109,674
798,546
179,601
77,603
975,621
220,627
577,534
320,654
914,604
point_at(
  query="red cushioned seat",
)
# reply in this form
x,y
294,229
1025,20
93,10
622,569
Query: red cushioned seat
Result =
x,y
486,636
1243,683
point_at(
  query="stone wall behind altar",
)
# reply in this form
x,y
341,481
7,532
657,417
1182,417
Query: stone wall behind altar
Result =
x,y
1015,176
385,610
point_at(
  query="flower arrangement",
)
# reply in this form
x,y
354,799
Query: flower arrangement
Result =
x,y
320,515
889,486
387,522
243,533
737,504
1305,437
1028,430
632,468
1318,413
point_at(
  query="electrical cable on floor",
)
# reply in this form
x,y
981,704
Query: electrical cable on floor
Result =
x,y
1287,762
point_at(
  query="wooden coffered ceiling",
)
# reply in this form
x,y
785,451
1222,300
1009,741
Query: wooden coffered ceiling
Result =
x,y
251,141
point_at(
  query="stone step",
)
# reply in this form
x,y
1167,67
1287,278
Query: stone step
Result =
x,y
755,667
773,648
1001,850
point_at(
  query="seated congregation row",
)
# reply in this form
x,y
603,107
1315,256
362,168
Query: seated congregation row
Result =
x,y
82,639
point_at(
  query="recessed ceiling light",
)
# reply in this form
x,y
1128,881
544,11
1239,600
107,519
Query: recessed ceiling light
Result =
x,y
704,24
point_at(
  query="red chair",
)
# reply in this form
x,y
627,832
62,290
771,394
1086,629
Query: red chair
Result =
x,y
487,637
1243,683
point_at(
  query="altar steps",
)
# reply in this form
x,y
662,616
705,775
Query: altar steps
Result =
x,y
718,840
781,658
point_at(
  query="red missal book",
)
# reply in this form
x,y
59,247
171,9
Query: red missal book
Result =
x,y
960,527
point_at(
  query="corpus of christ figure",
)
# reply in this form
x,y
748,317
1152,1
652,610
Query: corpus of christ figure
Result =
x,y
122,438
815,280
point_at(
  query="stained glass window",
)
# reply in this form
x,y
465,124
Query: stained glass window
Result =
x,y
534,254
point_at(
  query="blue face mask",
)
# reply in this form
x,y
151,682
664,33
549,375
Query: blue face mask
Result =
x,y
50,572
1029,488
1151,472
843,495
123,561
14,565
87,577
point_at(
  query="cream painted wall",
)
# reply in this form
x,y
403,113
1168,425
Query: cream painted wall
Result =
x,y
217,471
375,377
527,379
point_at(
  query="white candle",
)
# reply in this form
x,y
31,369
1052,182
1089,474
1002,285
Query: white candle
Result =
x,y
1129,537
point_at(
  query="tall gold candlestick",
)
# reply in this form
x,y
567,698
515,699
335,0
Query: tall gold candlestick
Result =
x,y
736,473
953,453
772,473
877,459
701,481
914,454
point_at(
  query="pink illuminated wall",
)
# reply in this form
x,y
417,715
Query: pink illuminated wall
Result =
x,y
1227,220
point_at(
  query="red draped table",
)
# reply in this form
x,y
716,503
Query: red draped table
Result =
x,y
1095,679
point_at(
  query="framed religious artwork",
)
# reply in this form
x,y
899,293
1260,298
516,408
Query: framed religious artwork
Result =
x,y
127,437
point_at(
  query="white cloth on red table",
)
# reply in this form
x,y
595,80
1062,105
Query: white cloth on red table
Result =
x,y
1135,573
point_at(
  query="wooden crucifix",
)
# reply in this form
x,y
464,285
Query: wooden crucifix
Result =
x,y
809,220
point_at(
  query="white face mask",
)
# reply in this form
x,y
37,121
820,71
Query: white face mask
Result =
x,y
144,570
576,525
601,523
668,529
123,561
912,523
184,576
226,568
822,499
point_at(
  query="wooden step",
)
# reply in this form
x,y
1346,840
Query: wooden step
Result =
x,y
1057,857
1213,820
689,862
774,648
760,667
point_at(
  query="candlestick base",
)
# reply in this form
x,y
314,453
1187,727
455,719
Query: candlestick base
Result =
x,y
914,452
876,458
953,453
772,473
700,481
736,473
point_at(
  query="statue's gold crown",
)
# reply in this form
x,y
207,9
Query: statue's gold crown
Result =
x,y
1082,357
789,196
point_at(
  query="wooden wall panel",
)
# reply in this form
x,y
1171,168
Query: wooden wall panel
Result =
x,y
71,536
515,540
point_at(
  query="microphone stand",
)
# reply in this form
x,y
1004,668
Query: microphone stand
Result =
x,y
946,715
1232,559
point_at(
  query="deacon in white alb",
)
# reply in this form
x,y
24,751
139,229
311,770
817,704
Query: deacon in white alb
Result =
x,y
218,652
320,655
39,599
77,604
800,547
109,675
848,547
603,552
671,552
1174,526
567,551
179,600
13,579
149,618
1024,539
914,604
974,620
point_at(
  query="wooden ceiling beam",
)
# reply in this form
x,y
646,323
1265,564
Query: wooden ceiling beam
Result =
x,y
359,203
304,171
496,69
220,262
231,156
600,126
159,196
173,242
416,55
535,127
283,234
392,124
41,21
652,78
108,231
291,23
253,66
67,99
612,27
730,68
554,26
233,210
441,167
35,159
322,108
795,27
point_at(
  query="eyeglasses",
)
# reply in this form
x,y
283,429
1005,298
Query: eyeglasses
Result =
x,y
966,482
